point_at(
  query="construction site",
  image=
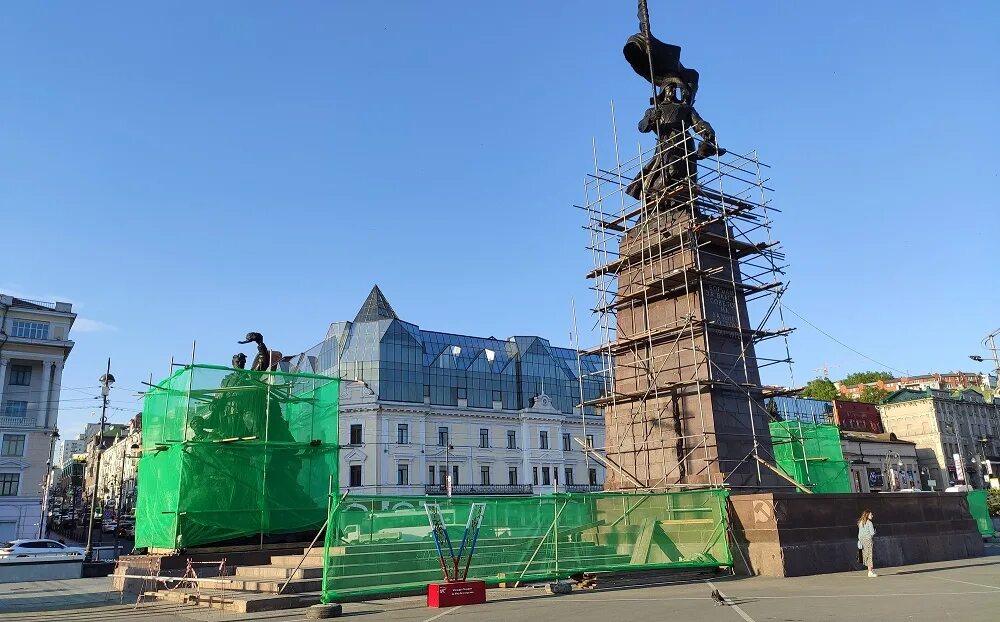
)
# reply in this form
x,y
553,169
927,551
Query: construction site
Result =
x,y
240,504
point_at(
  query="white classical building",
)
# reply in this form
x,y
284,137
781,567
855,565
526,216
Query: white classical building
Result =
x,y
34,345
499,416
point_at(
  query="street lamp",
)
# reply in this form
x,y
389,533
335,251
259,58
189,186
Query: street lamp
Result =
x,y
106,381
892,459
121,488
53,437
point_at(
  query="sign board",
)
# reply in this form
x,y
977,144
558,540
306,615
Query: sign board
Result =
x,y
959,471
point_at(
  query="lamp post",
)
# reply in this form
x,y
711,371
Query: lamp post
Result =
x,y
106,381
47,484
447,468
892,459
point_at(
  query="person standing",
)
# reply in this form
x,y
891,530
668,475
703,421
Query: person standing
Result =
x,y
866,536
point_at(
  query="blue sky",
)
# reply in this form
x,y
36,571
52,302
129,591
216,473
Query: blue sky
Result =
x,y
183,171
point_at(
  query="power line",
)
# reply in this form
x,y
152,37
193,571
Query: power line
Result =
x,y
854,350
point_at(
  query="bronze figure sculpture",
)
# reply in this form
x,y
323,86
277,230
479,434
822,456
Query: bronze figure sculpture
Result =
x,y
261,362
671,116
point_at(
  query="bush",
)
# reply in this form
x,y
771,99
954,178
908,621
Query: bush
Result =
x,y
993,502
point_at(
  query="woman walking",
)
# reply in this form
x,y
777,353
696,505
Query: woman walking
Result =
x,y
866,535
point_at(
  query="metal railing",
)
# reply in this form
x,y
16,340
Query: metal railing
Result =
x,y
584,488
8,421
482,489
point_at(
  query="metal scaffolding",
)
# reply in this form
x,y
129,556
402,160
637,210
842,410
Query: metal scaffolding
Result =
x,y
678,273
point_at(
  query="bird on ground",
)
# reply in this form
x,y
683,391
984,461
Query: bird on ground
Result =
x,y
717,597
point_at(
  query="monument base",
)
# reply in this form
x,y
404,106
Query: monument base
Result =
x,y
456,593
789,534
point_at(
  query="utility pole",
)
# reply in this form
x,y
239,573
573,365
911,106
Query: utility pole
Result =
x,y
47,483
106,381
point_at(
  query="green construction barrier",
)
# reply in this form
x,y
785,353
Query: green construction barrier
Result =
x,y
979,509
384,545
230,453
811,454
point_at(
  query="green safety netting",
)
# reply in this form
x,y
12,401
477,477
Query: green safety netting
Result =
x,y
812,455
384,545
230,453
979,508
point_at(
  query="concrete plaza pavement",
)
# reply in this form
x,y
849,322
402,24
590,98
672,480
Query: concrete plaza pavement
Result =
x,y
967,590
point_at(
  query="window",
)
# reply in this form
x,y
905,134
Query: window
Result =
x,y
430,475
484,475
484,437
592,476
512,476
14,408
546,477
454,475
565,438
403,434
442,437
555,476
402,474
543,440
13,445
20,376
444,475
355,475
534,475
8,484
30,330
569,477
511,439
355,434
590,441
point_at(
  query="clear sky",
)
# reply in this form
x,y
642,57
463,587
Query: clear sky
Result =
x,y
187,171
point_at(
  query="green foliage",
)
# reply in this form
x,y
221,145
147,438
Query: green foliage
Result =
x,y
993,502
863,377
873,395
819,389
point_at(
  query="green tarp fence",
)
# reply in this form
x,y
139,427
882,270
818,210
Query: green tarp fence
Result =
x,y
979,509
384,545
812,455
230,453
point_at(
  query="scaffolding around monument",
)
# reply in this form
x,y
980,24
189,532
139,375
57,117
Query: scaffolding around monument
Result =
x,y
688,283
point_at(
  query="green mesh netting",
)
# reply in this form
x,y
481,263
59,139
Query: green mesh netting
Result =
x,y
979,508
384,545
812,455
230,453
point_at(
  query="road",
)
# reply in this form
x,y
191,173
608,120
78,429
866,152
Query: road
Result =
x,y
967,590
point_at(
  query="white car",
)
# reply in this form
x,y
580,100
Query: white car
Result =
x,y
32,548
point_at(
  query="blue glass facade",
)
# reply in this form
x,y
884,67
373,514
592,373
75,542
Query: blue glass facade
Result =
x,y
400,362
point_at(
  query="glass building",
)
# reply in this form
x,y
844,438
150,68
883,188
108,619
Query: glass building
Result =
x,y
401,362
481,414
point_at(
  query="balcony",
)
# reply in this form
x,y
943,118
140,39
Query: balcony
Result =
x,y
8,421
471,489
584,488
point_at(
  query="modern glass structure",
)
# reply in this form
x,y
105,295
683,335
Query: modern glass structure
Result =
x,y
422,410
401,362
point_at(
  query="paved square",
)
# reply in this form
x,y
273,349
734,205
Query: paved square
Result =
x,y
966,590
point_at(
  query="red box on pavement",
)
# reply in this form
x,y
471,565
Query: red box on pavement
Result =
x,y
457,593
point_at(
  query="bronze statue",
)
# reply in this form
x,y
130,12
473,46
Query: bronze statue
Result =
x,y
261,362
670,117
239,361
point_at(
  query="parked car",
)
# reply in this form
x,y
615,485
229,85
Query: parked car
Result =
x,y
32,548
126,530
109,526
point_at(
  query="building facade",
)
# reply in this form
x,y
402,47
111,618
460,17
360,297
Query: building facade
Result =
x,y
99,444
880,462
957,436
948,381
119,466
34,346
493,416
67,448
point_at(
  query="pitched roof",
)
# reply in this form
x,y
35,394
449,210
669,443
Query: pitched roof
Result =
x,y
375,308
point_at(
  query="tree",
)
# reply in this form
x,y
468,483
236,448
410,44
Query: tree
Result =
x,y
864,377
873,395
819,389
